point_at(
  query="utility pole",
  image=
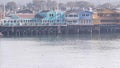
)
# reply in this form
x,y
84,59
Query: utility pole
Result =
x,y
58,6
4,10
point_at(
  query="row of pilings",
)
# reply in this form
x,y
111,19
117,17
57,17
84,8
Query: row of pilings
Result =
x,y
47,30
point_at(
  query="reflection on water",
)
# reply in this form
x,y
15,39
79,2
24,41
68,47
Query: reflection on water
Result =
x,y
61,51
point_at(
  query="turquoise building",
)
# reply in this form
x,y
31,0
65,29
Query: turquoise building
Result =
x,y
50,17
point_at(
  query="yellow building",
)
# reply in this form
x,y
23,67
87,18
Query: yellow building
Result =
x,y
96,19
106,16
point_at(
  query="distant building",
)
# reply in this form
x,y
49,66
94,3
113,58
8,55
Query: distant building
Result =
x,y
25,14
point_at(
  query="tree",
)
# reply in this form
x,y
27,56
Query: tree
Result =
x,y
30,6
84,4
11,6
62,6
106,5
1,7
39,4
51,5
80,4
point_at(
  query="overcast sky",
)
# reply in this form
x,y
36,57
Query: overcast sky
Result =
x,y
93,1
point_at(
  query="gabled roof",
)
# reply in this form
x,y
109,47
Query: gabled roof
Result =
x,y
25,11
86,12
72,11
45,11
26,16
106,11
39,16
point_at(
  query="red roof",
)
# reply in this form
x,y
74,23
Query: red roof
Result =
x,y
26,15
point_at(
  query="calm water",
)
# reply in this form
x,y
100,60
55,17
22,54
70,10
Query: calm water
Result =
x,y
63,51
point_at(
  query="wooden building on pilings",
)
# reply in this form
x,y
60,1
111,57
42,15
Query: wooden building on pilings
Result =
x,y
107,19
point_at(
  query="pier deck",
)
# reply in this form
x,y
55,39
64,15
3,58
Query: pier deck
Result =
x,y
61,29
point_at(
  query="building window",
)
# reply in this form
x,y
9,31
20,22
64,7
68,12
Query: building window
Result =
x,y
21,21
25,20
4,21
75,15
11,21
51,15
74,21
52,21
58,20
83,14
70,15
14,20
87,14
66,15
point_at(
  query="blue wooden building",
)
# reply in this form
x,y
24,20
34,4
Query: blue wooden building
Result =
x,y
86,18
